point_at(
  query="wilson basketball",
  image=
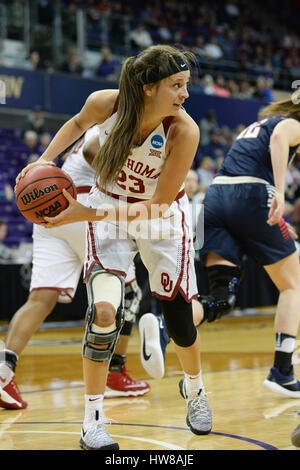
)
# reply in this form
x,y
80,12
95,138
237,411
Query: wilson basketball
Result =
x,y
39,193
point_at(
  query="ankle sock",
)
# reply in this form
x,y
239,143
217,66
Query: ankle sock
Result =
x,y
10,358
193,382
93,407
284,349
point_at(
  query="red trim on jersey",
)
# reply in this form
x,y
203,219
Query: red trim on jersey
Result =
x,y
184,256
167,122
83,189
115,108
131,199
60,289
129,282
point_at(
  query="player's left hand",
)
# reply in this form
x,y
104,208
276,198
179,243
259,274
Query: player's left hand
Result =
x,y
75,212
277,209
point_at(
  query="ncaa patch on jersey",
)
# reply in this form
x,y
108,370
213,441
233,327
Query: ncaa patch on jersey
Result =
x,y
157,141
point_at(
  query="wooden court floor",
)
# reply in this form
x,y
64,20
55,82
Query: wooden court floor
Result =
x,y
236,356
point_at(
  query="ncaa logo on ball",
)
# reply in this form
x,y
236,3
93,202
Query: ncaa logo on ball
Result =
x,y
157,141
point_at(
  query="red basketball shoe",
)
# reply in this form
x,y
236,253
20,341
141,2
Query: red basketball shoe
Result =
x,y
119,384
10,396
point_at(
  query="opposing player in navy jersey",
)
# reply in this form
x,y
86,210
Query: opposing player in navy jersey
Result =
x,y
243,214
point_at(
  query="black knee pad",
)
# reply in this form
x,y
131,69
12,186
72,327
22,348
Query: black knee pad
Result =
x,y
126,328
178,314
223,283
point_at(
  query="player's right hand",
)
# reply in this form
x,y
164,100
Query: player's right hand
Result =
x,y
277,209
40,161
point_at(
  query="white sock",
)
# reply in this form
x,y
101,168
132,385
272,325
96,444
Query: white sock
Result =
x,y
193,382
93,408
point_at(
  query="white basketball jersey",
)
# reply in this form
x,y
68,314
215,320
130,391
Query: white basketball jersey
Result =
x,y
138,177
76,166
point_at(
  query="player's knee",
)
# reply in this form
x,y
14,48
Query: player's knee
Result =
x,y
104,314
178,314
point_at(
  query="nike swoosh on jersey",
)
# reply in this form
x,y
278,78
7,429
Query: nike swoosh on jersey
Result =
x,y
145,355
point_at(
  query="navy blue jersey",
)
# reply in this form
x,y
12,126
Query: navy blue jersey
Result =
x,y
249,155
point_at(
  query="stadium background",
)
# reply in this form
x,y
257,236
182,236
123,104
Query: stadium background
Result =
x,y
54,54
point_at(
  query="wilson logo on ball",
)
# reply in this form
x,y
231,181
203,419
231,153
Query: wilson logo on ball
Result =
x,y
37,193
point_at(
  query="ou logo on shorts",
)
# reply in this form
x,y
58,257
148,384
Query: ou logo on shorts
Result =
x,y
166,282
157,141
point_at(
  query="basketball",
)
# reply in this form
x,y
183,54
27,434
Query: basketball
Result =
x,y
39,193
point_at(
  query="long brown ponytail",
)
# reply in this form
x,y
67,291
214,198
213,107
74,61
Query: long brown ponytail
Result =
x,y
136,72
289,107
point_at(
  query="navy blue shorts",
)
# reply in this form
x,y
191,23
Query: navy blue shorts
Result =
x,y
235,223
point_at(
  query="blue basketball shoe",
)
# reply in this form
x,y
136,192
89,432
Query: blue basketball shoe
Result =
x,y
287,385
154,340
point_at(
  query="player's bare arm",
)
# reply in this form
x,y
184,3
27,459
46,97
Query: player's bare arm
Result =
x,y
96,109
285,135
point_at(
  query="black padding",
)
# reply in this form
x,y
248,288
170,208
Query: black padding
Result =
x,y
223,282
178,314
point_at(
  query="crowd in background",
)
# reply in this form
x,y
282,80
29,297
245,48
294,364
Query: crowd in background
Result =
x,y
242,47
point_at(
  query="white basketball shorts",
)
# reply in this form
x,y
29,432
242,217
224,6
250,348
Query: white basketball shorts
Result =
x,y
165,245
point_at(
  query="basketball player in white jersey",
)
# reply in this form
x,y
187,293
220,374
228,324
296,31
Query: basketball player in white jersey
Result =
x,y
58,257
147,145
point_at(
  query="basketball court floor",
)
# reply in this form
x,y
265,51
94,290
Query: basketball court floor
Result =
x,y
237,354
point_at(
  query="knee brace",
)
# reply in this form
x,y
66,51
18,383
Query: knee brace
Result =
x,y
133,297
223,283
178,314
97,336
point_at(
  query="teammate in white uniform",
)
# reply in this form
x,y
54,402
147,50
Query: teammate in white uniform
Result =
x,y
148,146
58,257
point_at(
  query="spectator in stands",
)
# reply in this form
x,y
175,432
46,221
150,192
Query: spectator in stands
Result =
x,y
268,90
212,49
195,83
220,87
6,190
164,32
208,85
34,61
108,67
35,121
216,147
32,147
199,46
73,64
205,171
140,38
45,140
195,197
206,126
233,87
259,90
225,136
245,90
6,254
